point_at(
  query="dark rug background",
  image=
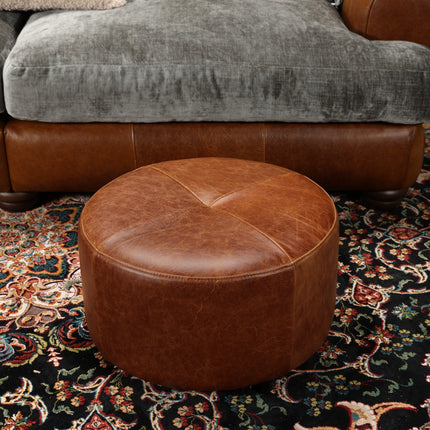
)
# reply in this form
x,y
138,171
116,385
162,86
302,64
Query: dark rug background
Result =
x,y
373,372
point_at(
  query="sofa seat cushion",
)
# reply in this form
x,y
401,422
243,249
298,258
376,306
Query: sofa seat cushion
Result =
x,y
10,25
59,4
205,60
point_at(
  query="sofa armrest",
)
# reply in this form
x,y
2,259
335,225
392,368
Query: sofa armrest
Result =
x,y
389,19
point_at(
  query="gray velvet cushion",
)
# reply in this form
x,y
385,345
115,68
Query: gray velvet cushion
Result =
x,y
206,60
59,4
10,24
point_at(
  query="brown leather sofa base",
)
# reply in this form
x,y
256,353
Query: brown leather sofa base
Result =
x,y
82,157
209,273
4,169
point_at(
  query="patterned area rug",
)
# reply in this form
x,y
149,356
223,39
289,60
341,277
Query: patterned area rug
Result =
x,y
372,373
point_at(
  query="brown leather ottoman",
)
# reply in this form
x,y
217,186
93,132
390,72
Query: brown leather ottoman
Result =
x,y
209,273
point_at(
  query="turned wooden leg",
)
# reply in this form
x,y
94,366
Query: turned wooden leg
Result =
x,y
18,202
384,200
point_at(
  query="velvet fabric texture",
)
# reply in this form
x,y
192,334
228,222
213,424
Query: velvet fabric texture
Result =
x,y
204,60
10,24
59,4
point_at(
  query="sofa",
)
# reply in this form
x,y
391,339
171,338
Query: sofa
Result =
x,y
90,95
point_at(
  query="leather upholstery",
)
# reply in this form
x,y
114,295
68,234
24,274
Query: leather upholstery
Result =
x,y
173,141
4,170
350,157
67,157
389,19
83,157
209,273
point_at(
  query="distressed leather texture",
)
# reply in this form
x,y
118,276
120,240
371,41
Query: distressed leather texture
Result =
x,y
209,273
4,170
84,157
389,19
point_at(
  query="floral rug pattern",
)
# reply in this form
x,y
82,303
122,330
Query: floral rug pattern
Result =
x,y
372,372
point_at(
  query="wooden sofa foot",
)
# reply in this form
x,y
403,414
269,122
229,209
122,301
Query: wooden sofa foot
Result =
x,y
384,200
18,202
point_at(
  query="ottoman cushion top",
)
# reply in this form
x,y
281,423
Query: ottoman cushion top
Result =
x,y
205,60
209,224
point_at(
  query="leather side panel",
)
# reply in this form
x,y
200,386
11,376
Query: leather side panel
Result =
x,y
314,302
416,155
389,19
67,157
349,156
355,14
400,20
83,157
170,141
4,169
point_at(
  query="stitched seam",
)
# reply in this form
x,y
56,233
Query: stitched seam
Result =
x,y
273,66
231,193
264,135
301,221
192,278
233,215
209,278
368,17
293,338
126,235
179,183
273,241
133,140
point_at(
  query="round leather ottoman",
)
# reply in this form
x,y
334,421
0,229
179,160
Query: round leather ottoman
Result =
x,y
209,273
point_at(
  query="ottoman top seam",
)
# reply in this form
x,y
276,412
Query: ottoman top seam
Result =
x,y
213,202
178,182
188,278
231,193
262,235
255,228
